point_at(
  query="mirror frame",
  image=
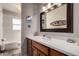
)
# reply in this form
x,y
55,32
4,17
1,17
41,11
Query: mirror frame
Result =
x,y
69,15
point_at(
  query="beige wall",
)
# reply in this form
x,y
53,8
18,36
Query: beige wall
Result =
x,y
1,23
29,9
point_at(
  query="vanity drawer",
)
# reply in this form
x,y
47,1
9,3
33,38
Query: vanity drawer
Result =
x,y
56,53
40,47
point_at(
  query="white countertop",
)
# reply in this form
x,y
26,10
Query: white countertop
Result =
x,y
63,46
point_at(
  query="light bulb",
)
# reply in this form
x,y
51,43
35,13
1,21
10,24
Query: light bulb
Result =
x,y
49,5
44,8
55,4
59,4
51,8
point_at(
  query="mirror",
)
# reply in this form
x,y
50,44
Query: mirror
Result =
x,y
57,18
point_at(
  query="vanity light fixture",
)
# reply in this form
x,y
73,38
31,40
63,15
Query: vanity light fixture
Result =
x,y
44,8
59,4
54,4
50,6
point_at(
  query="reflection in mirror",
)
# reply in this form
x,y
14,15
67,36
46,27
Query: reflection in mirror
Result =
x,y
58,20
55,18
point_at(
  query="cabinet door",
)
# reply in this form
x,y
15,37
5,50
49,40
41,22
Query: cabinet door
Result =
x,y
41,47
34,51
29,47
41,54
56,53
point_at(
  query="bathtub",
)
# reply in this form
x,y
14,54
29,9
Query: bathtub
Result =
x,y
12,48
11,45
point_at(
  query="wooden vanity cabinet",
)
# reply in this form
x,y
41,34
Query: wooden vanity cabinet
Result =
x,y
37,49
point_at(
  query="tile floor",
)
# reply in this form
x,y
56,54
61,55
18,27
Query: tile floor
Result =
x,y
15,52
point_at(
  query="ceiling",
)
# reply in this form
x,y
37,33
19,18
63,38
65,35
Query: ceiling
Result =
x,y
14,7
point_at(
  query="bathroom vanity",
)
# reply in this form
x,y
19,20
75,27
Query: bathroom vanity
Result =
x,y
38,49
54,46
59,19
